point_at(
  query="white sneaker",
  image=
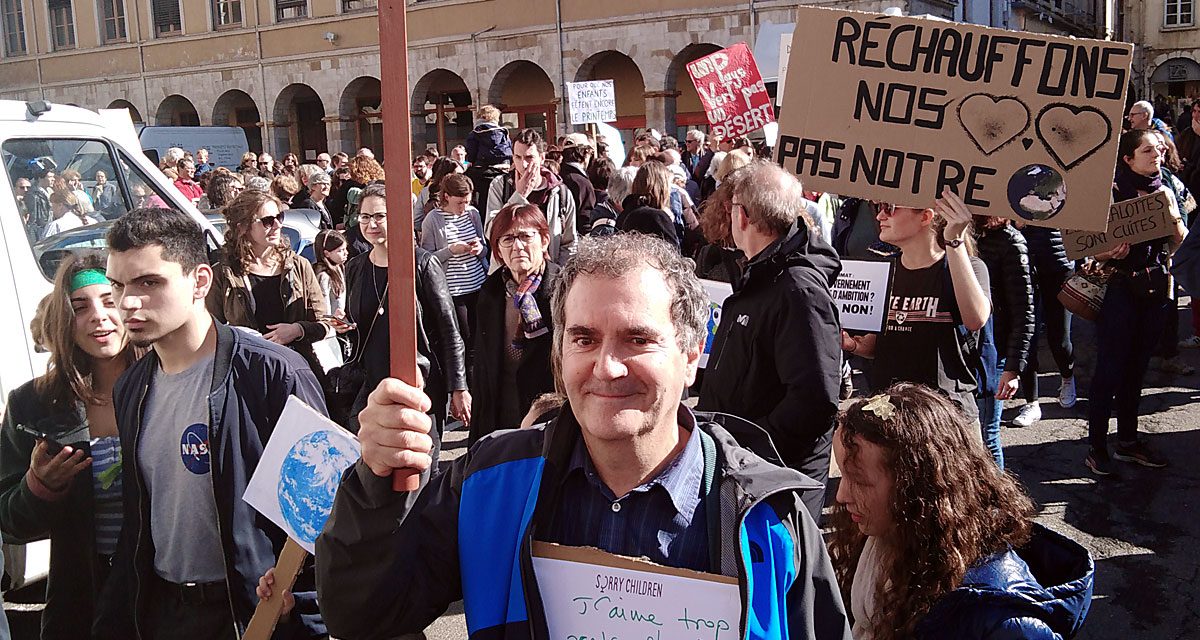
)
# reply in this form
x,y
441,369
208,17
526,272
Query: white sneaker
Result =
x,y
1028,416
1066,394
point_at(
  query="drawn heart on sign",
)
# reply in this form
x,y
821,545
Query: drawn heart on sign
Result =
x,y
992,121
1072,133
1027,142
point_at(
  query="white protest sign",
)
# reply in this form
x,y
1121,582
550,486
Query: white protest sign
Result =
x,y
592,101
588,593
861,294
299,471
785,55
717,292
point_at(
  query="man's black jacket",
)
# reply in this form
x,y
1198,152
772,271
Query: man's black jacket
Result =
x,y
1004,252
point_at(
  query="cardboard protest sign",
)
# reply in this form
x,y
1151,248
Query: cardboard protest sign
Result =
x,y
785,55
1021,125
717,292
732,91
592,101
1145,218
588,593
299,472
861,294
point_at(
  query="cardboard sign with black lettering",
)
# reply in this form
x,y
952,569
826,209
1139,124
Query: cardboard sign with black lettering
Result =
x,y
1145,218
732,92
1021,125
861,293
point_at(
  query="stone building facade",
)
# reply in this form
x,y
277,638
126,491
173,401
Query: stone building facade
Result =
x,y
305,76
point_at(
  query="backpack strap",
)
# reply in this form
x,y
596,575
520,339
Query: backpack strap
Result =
x,y
711,495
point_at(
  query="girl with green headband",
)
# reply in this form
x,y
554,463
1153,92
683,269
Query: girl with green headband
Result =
x,y
72,495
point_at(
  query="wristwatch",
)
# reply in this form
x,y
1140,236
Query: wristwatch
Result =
x,y
954,244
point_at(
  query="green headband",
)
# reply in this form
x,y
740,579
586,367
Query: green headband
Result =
x,y
86,278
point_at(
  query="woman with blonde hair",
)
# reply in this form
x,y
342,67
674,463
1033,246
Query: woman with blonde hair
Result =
x,y
68,213
732,161
647,208
261,284
59,449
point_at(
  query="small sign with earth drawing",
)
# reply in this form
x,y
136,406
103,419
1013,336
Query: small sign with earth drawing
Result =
x,y
299,472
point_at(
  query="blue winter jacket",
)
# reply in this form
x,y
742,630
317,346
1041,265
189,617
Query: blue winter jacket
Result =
x,y
1041,591
252,380
488,145
390,563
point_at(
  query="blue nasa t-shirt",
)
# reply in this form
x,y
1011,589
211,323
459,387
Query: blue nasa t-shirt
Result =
x,y
173,458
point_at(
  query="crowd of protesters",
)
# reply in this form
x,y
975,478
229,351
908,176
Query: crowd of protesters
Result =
x,y
557,289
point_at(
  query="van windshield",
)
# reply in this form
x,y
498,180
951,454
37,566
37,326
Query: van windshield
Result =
x,y
68,191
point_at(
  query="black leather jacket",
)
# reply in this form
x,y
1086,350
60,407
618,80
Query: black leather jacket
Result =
x,y
1006,255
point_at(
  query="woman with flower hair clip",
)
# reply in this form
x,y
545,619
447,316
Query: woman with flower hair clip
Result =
x,y
930,540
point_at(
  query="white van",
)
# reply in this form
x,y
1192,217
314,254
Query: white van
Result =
x,y
225,144
34,137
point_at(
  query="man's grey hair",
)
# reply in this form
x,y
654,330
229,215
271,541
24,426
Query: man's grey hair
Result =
x,y
771,196
622,254
307,171
620,184
1146,106
696,134
173,156
258,183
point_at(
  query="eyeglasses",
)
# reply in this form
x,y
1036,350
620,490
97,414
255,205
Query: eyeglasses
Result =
x,y
885,208
526,238
270,221
366,218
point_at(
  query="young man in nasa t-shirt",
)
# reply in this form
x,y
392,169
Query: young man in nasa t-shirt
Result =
x,y
194,416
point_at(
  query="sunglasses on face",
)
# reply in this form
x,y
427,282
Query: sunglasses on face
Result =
x,y
367,218
270,221
885,208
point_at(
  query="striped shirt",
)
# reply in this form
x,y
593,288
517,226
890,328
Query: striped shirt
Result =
x,y
464,273
662,520
106,454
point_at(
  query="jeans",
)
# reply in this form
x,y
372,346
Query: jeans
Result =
x,y
989,419
1057,321
1127,332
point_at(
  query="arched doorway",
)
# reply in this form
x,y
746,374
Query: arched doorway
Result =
x,y
627,83
1176,78
177,111
442,111
235,108
525,96
362,118
134,114
685,109
299,123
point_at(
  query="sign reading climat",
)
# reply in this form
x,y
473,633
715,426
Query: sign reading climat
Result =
x,y
732,92
592,101
1021,125
861,294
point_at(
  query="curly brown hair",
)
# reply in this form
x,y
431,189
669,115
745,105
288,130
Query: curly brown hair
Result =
x,y
952,506
240,214
365,170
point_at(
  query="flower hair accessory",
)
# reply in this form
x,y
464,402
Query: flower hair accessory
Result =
x,y
881,405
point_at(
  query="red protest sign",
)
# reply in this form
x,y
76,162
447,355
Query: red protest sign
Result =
x,y
732,91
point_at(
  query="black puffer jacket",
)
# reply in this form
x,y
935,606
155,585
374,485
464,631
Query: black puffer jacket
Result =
x,y
1046,250
1006,255
777,357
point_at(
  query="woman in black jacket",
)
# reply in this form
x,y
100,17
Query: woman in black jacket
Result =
x,y
646,210
513,335
1132,315
1002,248
440,350
72,495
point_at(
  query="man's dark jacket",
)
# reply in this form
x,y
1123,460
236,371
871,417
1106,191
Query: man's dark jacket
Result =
x,y
391,563
252,380
1004,252
534,376
583,192
777,357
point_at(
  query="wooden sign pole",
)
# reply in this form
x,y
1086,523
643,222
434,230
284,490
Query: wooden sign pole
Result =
x,y
402,301
397,147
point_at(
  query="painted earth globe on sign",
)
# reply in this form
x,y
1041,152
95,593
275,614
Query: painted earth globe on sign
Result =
x,y
308,481
1037,192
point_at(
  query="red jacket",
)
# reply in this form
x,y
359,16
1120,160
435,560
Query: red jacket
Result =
x,y
189,189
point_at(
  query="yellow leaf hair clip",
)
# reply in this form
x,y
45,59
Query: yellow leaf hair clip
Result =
x,y
881,405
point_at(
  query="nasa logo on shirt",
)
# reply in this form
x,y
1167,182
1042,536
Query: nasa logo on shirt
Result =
x,y
193,449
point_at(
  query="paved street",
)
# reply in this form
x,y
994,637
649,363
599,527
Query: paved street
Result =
x,y
1142,529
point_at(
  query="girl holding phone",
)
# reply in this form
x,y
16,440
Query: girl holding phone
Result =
x,y
72,495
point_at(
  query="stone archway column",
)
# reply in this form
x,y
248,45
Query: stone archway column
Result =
x,y
336,131
657,114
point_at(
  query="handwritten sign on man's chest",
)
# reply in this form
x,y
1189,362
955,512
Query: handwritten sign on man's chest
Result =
x,y
592,595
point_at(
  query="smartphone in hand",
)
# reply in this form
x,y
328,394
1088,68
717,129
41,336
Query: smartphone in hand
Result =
x,y
339,323
52,446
